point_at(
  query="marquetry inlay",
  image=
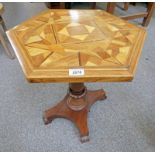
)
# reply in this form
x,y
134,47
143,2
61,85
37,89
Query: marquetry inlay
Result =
x,y
63,39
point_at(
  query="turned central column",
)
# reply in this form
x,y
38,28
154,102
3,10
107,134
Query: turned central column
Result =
x,y
77,96
76,88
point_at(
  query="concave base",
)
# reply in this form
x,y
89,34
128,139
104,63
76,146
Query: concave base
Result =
x,y
75,107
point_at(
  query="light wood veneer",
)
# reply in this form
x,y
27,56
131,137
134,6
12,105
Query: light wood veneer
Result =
x,y
51,43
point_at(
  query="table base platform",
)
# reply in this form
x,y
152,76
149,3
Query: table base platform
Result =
x,y
75,107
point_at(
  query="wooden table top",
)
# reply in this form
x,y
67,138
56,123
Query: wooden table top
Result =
x,y
77,46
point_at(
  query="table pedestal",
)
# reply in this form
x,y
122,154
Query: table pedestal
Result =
x,y
75,107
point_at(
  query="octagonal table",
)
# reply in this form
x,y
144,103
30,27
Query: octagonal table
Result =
x,y
77,46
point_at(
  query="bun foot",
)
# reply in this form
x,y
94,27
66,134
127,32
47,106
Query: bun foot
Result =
x,y
84,139
46,121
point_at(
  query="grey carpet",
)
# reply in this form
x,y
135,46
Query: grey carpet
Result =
x,y
123,122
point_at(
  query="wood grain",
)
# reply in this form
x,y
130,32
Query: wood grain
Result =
x,y
150,10
75,107
51,43
138,15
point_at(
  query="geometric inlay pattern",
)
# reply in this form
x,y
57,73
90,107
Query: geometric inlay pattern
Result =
x,y
85,38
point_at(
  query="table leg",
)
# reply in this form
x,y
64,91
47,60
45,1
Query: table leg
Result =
x,y
7,50
150,10
111,7
75,107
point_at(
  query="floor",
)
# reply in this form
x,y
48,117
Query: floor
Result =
x,y
123,122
